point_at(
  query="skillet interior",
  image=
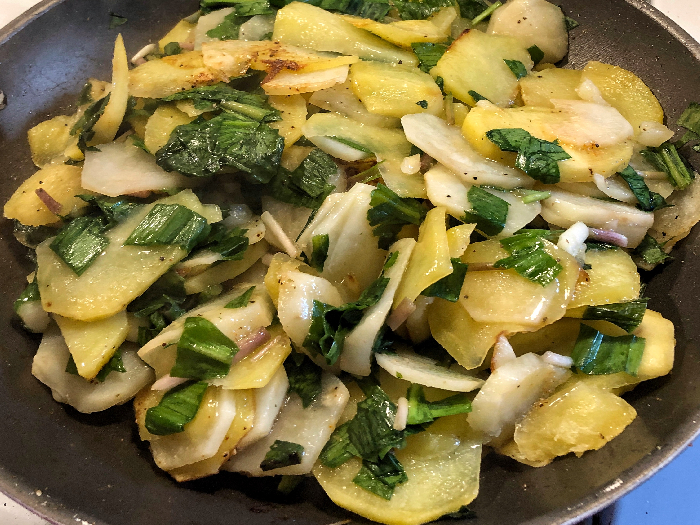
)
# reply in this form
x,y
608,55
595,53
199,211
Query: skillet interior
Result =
x,y
95,468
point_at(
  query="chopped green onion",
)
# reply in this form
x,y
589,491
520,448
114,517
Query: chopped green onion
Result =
x,y
422,411
534,195
178,407
536,54
172,48
517,67
242,300
690,119
570,23
476,96
486,13
319,251
627,316
304,378
80,242
536,157
651,251
231,244
529,258
489,212
29,295
116,20
338,449
203,351
449,287
169,224
428,54
648,200
389,213
667,159
352,144
381,477
330,324
597,354
308,184
282,454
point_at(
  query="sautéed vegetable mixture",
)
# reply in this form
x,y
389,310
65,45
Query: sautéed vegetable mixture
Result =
x,y
360,240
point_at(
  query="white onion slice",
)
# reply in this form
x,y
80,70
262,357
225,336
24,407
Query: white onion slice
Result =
x,y
563,361
502,353
401,418
400,313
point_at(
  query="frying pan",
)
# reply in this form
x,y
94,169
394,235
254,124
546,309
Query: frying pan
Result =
x,y
67,466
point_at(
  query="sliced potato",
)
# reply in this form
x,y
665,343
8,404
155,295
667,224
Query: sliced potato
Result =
x,y
309,427
293,111
504,296
182,32
626,92
464,339
510,391
544,123
403,33
92,344
168,75
117,276
161,124
324,31
105,129
201,438
575,419
60,181
430,259
612,278
395,90
539,88
533,23
442,465
341,99
240,426
475,62
257,368
50,140
49,367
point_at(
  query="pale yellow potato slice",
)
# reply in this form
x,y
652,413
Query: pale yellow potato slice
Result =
x,y
51,140
541,122
293,111
442,465
475,62
403,33
60,181
612,278
504,296
118,276
539,88
464,339
92,344
169,75
395,90
105,129
574,419
626,92
241,425
324,31
430,259
161,124
257,368
202,437
183,31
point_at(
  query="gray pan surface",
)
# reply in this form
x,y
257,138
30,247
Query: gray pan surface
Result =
x,y
94,468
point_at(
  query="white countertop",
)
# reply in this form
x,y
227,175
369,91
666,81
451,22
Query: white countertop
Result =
x,y
641,507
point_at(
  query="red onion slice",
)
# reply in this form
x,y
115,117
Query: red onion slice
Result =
x,y
52,204
400,313
609,236
247,344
